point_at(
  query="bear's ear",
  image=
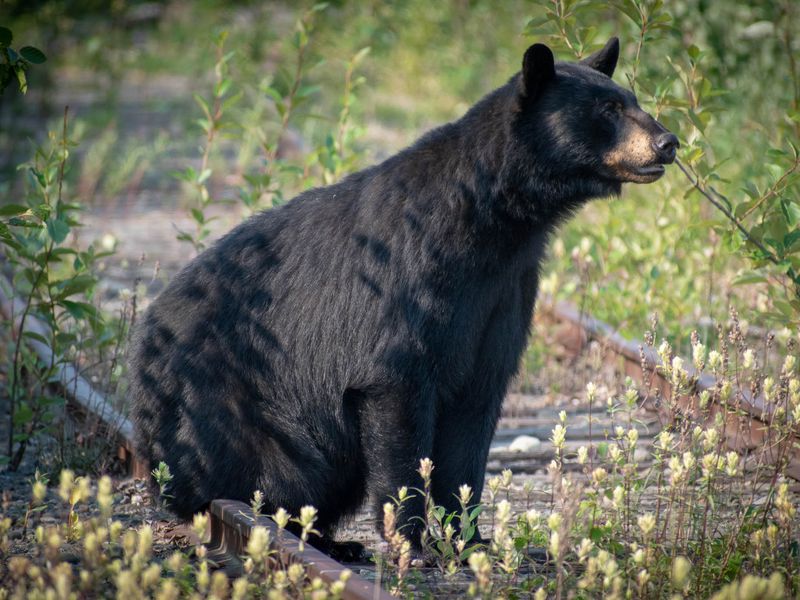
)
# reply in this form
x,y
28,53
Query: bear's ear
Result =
x,y
605,60
538,68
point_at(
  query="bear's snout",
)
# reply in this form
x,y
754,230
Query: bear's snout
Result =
x,y
665,146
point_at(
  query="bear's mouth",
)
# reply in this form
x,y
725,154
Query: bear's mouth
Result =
x,y
647,174
656,170
633,173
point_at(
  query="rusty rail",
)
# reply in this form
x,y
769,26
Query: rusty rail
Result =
x,y
232,523
747,418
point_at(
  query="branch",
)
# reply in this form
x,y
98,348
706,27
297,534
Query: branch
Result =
x,y
775,188
726,212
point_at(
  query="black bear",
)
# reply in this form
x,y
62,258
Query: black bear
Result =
x,y
319,350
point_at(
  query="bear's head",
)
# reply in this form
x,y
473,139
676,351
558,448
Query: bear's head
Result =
x,y
583,126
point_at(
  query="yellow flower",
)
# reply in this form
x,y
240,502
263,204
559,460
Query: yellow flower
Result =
x,y
425,468
647,523
681,568
281,518
554,521
465,494
748,359
66,484
559,436
258,543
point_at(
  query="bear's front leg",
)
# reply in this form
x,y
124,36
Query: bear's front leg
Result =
x,y
461,447
466,422
396,433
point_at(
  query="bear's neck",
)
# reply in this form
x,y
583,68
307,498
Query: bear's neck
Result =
x,y
501,187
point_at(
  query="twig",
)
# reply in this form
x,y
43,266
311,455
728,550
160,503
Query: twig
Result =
x,y
726,212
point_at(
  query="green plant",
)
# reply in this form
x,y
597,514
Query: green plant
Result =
x,y
286,92
163,478
14,63
55,283
336,154
212,124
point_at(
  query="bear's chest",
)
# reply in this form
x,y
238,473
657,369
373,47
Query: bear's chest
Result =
x,y
477,329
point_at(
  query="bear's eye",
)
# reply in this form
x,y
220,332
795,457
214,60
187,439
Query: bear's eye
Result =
x,y
612,108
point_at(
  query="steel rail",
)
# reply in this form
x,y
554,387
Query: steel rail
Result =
x,y
748,419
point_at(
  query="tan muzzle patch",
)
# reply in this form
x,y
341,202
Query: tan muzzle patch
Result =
x,y
634,150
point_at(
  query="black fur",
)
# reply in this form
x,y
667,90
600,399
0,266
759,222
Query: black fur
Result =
x,y
320,349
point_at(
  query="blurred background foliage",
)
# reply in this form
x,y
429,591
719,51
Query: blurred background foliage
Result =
x,y
722,75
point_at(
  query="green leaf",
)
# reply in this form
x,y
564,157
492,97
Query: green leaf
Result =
x,y
272,93
6,236
227,103
201,102
596,534
776,153
12,210
360,55
784,307
17,222
6,36
76,285
64,339
749,278
81,310
791,240
38,176
42,211
791,210
19,71
475,512
751,190
222,88
693,155
36,336
57,253
23,414
306,91
697,120
198,215
32,55
57,230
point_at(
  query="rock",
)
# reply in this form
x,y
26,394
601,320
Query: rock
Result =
x,y
524,443
70,557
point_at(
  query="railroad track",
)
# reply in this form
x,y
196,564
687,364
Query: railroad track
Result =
x,y
232,522
747,418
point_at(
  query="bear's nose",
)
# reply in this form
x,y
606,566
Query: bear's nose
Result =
x,y
665,145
